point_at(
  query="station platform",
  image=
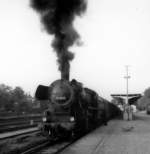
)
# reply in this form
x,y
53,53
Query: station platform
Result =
x,y
118,137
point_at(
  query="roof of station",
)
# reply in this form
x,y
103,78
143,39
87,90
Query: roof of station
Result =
x,y
125,95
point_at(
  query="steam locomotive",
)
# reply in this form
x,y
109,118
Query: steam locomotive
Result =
x,y
73,109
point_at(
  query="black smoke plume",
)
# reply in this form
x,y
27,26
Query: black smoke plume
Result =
x,y
57,17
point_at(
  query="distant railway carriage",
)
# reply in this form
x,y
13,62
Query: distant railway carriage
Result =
x,y
73,109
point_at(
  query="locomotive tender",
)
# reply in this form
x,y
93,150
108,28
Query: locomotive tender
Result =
x,y
73,110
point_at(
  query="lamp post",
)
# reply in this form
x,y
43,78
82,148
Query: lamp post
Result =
x,y
126,107
127,77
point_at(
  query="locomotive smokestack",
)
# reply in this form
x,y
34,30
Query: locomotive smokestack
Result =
x,y
65,72
57,17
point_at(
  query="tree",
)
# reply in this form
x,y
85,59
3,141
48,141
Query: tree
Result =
x,y
18,94
23,100
14,100
144,100
147,93
5,97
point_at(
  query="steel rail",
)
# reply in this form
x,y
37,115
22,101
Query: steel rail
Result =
x,y
16,134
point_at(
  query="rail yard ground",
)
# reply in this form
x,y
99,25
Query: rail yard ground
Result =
x,y
18,144
118,137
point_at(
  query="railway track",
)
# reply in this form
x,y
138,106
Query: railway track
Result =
x,y
13,124
35,148
21,142
48,147
41,147
35,143
18,133
56,149
16,128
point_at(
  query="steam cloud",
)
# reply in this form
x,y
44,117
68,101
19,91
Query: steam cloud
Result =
x,y
57,17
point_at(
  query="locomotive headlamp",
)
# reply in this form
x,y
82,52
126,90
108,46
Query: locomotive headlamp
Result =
x,y
44,119
72,119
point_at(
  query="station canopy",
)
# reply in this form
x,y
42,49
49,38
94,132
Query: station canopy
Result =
x,y
131,97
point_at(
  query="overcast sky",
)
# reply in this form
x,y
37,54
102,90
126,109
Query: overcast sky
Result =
x,y
114,33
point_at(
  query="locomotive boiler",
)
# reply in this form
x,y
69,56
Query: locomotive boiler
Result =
x,y
73,110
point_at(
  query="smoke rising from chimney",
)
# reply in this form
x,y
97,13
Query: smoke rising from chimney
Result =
x,y
57,17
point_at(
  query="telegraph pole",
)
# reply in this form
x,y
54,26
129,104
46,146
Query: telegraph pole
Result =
x,y
127,77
